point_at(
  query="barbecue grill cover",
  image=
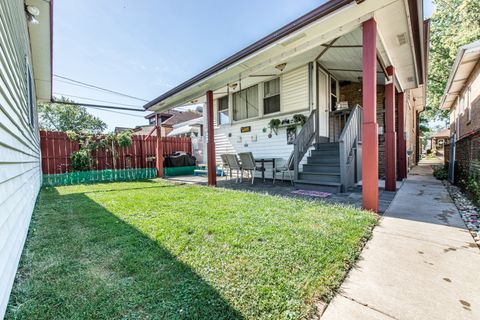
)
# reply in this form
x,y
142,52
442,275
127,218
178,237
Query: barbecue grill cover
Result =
x,y
179,159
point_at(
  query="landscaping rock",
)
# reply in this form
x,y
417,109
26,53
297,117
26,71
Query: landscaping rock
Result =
x,y
468,211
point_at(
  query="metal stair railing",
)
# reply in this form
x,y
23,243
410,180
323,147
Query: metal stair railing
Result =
x,y
348,142
303,142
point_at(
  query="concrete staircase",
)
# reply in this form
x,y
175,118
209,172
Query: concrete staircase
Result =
x,y
322,170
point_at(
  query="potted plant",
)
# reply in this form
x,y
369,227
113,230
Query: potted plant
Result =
x,y
274,124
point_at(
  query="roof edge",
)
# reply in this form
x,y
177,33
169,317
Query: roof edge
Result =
x,y
315,14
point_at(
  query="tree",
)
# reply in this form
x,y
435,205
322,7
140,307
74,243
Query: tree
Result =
x,y
68,117
454,24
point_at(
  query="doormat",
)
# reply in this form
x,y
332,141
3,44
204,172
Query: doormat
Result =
x,y
312,193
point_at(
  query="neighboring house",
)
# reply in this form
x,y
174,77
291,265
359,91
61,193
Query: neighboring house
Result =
x,y
462,98
25,51
438,139
167,119
188,128
313,67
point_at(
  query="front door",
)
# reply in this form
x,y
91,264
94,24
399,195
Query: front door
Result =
x,y
323,113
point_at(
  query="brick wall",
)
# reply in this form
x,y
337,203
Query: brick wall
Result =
x,y
352,93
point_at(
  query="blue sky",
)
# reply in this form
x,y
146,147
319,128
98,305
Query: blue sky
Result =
x,y
145,47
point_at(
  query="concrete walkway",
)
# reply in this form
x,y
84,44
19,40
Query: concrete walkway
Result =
x,y
421,263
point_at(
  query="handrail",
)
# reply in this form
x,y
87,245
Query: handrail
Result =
x,y
349,138
303,142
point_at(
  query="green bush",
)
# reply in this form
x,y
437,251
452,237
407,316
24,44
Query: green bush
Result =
x,y
441,173
472,187
81,160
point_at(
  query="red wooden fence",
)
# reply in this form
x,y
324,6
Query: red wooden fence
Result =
x,y
57,148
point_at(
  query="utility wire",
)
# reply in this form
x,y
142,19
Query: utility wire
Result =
x,y
100,88
90,99
113,111
97,106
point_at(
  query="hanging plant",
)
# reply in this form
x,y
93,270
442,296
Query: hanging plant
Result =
x,y
299,119
274,124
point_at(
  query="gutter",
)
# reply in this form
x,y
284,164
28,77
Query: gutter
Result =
x,y
413,10
321,11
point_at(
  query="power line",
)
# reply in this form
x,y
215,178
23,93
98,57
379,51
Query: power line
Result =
x,y
90,99
97,106
112,111
100,88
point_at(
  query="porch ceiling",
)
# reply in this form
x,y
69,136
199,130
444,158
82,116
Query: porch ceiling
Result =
x,y
306,44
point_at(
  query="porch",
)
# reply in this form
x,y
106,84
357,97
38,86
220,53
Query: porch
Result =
x,y
352,197
346,73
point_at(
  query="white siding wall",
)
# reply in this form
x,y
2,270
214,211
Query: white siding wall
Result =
x,y
294,99
20,174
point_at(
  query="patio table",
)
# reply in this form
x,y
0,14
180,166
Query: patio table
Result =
x,y
263,161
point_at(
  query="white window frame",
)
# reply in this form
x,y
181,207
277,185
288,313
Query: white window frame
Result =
x,y
469,104
264,97
227,111
260,103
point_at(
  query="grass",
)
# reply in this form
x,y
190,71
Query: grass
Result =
x,y
153,250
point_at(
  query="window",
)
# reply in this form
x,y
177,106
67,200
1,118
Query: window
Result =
x,y
30,97
333,93
469,105
245,104
223,115
271,96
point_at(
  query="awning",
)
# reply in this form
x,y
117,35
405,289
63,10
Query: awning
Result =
x,y
182,130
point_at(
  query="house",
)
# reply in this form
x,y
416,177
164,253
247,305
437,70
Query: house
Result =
x,y
462,98
26,78
167,119
346,70
438,139
193,127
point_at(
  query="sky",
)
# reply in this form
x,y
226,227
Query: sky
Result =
x,y
143,48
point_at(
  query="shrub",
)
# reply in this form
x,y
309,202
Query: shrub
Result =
x,y
441,173
81,160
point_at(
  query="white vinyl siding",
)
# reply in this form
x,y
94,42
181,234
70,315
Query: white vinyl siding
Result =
x,y
294,90
20,174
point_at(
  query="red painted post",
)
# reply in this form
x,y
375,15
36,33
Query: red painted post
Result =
x,y
401,143
369,125
212,168
159,149
390,133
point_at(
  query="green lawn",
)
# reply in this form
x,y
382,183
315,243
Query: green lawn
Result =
x,y
154,250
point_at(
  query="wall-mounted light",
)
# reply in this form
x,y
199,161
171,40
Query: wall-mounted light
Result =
x,y
233,86
281,66
32,12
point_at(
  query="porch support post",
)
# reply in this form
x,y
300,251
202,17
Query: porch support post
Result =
x,y
390,133
159,148
401,143
212,168
369,125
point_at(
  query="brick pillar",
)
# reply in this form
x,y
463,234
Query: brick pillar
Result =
x,y
369,123
212,168
390,133
401,143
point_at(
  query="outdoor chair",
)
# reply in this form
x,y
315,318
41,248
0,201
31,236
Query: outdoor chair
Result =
x,y
225,165
287,167
234,164
248,164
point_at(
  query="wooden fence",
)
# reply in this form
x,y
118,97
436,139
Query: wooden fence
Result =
x,y
57,148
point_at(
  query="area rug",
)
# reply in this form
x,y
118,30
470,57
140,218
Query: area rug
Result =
x,y
312,193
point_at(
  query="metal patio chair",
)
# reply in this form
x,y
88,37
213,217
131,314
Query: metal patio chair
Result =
x,y
287,167
234,164
248,164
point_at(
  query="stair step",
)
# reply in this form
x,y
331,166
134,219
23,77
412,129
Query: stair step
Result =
x,y
319,177
326,146
322,153
332,187
323,160
322,168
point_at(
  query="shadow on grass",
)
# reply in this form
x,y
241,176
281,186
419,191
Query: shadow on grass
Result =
x,y
81,261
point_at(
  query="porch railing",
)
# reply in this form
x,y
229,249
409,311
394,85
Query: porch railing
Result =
x,y
349,144
303,142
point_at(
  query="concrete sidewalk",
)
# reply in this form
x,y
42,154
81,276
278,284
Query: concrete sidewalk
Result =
x,y
421,263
